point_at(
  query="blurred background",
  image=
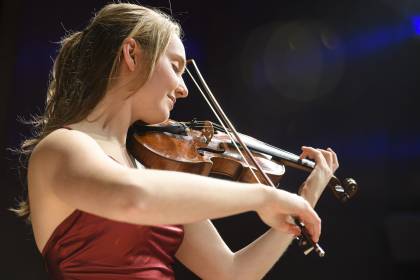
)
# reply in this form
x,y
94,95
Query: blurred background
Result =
x,y
341,74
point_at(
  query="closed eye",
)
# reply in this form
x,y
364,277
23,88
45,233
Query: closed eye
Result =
x,y
175,67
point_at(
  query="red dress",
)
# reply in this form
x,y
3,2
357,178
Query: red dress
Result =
x,y
88,247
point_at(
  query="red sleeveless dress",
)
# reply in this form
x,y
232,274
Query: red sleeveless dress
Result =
x,y
89,247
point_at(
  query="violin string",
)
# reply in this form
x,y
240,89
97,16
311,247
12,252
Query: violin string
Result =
x,y
220,128
224,127
286,155
216,125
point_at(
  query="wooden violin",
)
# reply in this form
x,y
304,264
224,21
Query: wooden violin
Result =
x,y
203,148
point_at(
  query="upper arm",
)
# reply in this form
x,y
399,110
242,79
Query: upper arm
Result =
x,y
204,252
73,167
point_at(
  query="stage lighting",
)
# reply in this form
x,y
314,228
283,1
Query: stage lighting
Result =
x,y
416,24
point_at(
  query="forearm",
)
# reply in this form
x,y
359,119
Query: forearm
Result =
x,y
165,197
311,194
256,259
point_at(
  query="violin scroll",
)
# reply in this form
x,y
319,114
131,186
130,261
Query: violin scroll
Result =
x,y
345,190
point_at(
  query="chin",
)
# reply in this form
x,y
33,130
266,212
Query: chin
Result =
x,y
157,118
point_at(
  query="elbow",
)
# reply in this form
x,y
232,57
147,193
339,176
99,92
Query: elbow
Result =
x,y
224,270
240,270
230,270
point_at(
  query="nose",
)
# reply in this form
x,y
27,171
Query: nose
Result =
x,y
181,90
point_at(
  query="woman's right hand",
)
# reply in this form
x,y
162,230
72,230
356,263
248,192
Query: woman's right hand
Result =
x,y
282,206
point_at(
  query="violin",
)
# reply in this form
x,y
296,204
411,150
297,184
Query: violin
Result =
x,y
203,148
218,150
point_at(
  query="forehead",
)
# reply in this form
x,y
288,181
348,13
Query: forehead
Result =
x,y
175,47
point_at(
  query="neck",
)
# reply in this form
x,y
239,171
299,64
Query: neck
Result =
x,y
109,121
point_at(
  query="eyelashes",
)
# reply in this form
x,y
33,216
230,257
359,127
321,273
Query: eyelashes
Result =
x,y
177,69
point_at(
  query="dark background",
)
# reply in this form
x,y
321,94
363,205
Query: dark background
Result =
x,y
341,74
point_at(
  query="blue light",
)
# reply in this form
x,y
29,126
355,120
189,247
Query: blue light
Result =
x,y
416,24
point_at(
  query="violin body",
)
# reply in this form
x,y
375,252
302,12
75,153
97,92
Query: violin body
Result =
x,y
201,151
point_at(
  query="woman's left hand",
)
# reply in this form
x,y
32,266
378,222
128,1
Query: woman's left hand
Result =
x,y
326,164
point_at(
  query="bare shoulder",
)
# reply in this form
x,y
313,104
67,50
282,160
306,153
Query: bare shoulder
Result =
x,y
61,158
47,211
64,150
64,142
70,168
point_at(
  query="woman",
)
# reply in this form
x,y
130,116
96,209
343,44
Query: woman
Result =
x,y
94,214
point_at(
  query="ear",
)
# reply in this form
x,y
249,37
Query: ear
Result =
x,y
131,53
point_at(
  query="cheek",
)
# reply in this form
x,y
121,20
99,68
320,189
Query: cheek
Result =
x,y
167,76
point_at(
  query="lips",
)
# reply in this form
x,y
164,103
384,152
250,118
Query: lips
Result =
x,y
173,99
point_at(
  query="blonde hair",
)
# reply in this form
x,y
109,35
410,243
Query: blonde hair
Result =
x,y
86,64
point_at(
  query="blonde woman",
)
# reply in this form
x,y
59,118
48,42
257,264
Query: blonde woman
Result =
x,y
94,213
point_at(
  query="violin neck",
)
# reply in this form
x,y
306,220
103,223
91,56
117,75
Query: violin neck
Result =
x,y
286,158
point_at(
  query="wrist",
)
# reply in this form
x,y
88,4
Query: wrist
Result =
x,y
310,194
266,194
